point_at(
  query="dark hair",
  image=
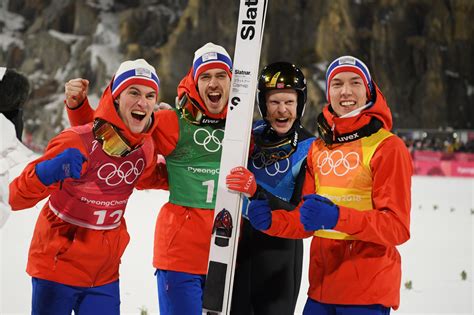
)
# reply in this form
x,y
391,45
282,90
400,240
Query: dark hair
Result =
x,y
14,91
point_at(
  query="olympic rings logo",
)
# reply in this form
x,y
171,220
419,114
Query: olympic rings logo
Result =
x,y
337,162
125,172
273,166
210,141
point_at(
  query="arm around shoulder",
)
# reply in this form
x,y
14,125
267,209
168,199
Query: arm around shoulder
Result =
x,y
166,132
155,175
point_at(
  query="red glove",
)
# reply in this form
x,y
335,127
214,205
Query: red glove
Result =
x,y
242,180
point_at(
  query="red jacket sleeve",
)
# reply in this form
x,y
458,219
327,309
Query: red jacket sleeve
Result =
x,y
166,133
154,178
27,190
155,175
81,115
389,222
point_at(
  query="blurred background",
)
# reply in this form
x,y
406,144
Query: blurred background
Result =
x,y
420,52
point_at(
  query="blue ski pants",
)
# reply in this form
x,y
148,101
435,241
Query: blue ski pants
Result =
x,y
180,292
313,307
53,298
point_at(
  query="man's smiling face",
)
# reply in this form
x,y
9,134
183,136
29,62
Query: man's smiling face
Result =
x,y
347,92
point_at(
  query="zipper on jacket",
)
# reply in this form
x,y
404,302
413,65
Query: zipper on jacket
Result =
x,y
350,258
104,235
321,252
56,256
186,218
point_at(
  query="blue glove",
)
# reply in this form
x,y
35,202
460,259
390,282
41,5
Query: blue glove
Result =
x,y
260,214
318,212
66,164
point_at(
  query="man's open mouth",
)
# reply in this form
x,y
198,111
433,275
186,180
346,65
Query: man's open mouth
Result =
x,y
138,115
214,97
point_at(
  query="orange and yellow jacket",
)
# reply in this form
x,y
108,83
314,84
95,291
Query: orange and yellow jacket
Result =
x,y
370,180
69,253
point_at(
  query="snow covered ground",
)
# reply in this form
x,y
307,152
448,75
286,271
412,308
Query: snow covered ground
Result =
x,y
437,260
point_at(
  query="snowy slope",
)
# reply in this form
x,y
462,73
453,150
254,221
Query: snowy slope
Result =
x,y
441,247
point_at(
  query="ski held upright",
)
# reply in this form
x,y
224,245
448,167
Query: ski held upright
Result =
x,y
227,215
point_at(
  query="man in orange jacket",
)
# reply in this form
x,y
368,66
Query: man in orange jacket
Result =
x,y
356,203
190,139
89,173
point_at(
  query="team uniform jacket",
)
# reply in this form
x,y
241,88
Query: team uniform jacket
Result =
x,y
370,180
81,234
278,177
183,227
257,289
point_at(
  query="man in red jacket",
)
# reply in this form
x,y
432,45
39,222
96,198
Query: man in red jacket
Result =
x,y
89,173
356,203
190,139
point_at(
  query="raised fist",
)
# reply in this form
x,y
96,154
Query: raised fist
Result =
x,y
76,92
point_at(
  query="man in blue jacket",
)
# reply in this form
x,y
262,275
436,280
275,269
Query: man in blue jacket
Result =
x,y
268,271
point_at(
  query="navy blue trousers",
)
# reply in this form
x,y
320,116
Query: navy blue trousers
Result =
x,y
313,307
180,293
53,298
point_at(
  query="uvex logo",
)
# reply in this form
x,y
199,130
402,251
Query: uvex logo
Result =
x,y
295,140
210,121
353,136
248,24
